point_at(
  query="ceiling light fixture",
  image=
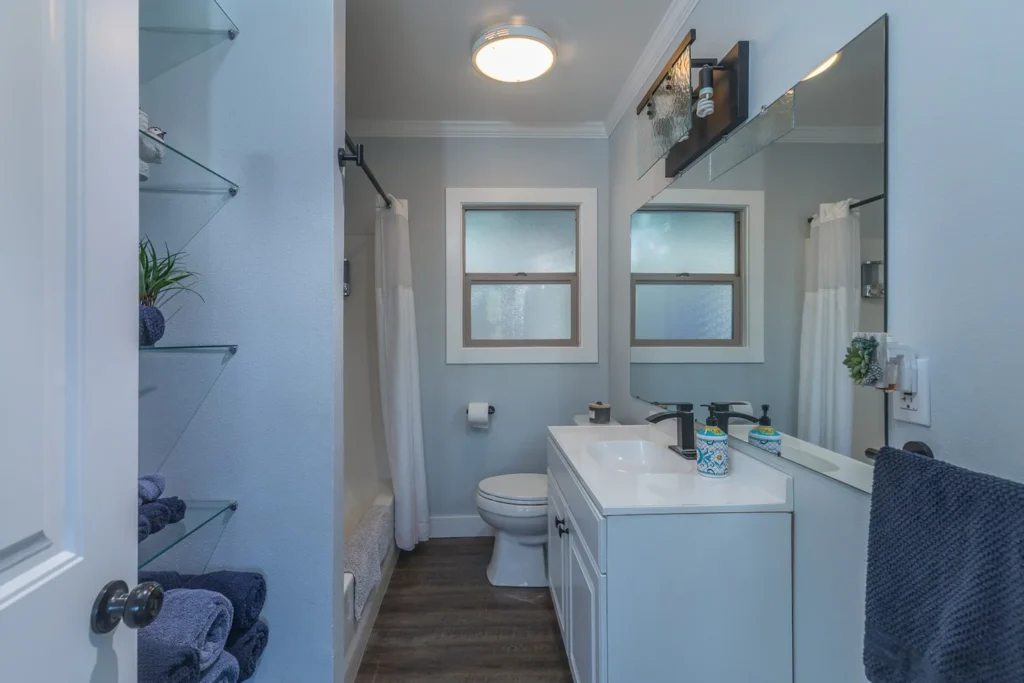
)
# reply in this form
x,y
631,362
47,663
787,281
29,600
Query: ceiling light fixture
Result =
x,y
513,54
823,67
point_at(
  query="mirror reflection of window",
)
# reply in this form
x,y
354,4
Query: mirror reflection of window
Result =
x,y
824,279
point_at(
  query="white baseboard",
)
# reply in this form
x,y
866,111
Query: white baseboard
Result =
x,y
459,526
354,653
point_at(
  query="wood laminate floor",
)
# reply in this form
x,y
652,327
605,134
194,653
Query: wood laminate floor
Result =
x,y
442,622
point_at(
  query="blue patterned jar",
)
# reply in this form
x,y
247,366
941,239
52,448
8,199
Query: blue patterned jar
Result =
x,y
712,450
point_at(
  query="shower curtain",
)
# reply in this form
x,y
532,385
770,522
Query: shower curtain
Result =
x,y
830,317
399,367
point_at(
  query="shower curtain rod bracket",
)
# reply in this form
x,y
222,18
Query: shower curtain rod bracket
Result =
x,y
355,154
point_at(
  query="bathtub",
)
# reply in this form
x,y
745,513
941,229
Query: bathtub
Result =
x,y
357,632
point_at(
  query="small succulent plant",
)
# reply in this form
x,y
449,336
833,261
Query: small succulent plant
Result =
x,y
161,277
861,360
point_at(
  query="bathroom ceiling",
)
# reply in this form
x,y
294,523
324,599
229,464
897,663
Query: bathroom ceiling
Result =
x,y
409,60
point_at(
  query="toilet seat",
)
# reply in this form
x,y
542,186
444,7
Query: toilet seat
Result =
x,y
515,489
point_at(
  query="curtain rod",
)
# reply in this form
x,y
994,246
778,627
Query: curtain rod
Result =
x,y
356,155
857,205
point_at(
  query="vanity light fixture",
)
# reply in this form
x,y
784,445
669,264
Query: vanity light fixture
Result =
x,y
823,67
514,54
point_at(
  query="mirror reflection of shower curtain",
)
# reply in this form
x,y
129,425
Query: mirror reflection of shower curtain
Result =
x,y
830,318
398,360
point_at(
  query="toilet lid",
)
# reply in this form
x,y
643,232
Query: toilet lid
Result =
x,y
516,488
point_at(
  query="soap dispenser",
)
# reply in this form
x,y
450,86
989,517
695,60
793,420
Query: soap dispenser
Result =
x,y
712,448
764,436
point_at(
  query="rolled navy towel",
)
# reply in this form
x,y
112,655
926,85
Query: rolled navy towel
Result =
x,y
157,514
247,647
175,507
196,619
247,592
168,580
143,528
224,670
151,487
162,661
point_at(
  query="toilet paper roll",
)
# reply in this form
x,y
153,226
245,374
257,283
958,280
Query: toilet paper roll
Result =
x,y
478,415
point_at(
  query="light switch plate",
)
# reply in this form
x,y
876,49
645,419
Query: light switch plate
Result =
x,y
915,408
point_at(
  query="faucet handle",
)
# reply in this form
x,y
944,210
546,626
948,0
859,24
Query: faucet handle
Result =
x,y
682,407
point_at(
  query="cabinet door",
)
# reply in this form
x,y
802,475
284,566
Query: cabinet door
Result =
x,y
584,615
557,550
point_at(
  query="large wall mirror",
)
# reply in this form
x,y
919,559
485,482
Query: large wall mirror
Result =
x,y
752,271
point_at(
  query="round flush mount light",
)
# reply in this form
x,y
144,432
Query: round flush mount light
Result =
x,y
513,54
823,67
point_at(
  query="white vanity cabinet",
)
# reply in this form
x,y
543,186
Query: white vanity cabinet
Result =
x,y
668,596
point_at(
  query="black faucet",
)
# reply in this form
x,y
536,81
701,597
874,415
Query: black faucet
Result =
x,y
722,414
685,439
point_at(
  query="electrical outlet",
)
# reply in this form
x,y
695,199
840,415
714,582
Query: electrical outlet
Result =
x,y
915,408
908,401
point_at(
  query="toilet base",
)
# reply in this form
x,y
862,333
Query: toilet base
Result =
x,y
518,561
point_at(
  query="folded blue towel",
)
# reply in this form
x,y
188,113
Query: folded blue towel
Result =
x,y
247,645
194,619
945,600
162,661
157,514
151,487
224,670
175,508
247,592
144,529
168,580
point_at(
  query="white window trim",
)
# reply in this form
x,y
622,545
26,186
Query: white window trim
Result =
x,y
752,350
586,200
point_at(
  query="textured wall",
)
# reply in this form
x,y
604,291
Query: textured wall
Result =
x,y
261,111
528,398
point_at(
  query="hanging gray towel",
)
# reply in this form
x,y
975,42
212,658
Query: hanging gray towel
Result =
x,y
945,583
366,550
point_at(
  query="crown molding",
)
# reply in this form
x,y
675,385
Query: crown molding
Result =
x,y
836,135
664,40
365,128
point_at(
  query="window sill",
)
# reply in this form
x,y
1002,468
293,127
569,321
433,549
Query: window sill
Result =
x,y
696,354
522,355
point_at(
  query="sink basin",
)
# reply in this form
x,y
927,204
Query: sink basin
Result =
x,y
637,457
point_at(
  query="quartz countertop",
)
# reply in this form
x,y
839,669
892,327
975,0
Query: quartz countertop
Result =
x,y
750,487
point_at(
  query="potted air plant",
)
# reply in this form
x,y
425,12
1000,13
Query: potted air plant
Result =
x,y
160,279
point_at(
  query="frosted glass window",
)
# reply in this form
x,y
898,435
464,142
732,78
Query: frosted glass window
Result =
x,y
524,312
520,241
683,242
683,312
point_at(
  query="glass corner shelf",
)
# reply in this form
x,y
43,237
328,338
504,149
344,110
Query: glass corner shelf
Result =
x,y
198,515
178,173
171,33
231,349
179,196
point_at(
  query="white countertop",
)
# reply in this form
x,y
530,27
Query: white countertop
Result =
x,y
750,487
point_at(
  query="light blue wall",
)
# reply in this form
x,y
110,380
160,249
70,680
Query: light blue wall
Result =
x,y
949,213
528,398
261,110
795,179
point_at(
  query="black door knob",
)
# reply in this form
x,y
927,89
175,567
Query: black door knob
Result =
x,y
137,608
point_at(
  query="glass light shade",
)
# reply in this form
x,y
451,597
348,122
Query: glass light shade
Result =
x,y
667,118
513,54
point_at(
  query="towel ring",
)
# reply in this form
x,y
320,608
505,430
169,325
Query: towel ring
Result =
x,y
919,447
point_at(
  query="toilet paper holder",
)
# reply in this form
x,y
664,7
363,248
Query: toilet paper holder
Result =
x,y
490,410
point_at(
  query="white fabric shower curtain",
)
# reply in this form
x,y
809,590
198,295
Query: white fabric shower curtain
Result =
x,y
831,316
399,367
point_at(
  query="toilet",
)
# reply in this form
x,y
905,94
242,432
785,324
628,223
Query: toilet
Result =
x,y
516,505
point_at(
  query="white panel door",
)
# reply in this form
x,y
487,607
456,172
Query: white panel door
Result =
x,y
584,612
557,551
68,339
